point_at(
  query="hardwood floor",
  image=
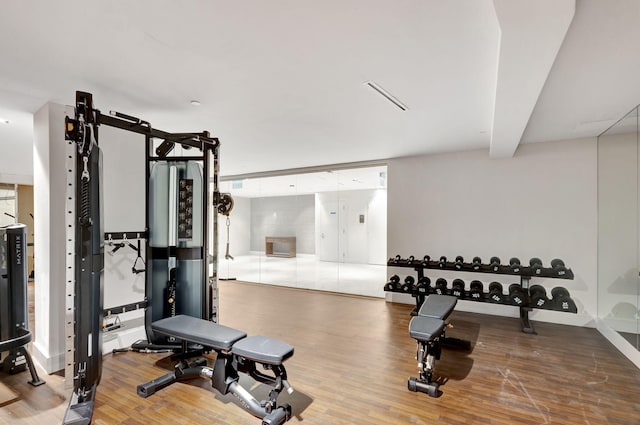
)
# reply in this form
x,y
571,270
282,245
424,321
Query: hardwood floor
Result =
x,y
352,359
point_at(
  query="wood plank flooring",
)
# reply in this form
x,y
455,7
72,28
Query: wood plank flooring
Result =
x,y
352,359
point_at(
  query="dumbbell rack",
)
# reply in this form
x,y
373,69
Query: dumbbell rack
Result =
x,y
524,272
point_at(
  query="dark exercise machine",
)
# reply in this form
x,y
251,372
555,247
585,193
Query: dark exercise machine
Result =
x,y
14,330
179,201
522,295
86,273
428,329
235,353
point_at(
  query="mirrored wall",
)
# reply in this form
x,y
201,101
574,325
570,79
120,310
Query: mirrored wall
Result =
x,y
618,226
323,230
8,204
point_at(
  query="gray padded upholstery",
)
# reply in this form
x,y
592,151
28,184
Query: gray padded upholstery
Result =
x,y
200,331
425,328
263,350
438,306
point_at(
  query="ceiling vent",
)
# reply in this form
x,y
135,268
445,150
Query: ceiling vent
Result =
x,y
382,92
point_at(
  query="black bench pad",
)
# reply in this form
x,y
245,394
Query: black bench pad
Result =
x,y
200,331
438,306
263,350
425,328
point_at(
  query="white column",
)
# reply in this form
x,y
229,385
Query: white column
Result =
x,y
49,177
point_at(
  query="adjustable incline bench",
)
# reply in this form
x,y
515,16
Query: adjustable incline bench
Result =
x,y
428,328
235,353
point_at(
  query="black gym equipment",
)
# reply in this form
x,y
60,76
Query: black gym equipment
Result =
x,y
181,196
476,263
392,285
535,265
235,353
495,293
516,294
562,300
558,267
538,296
428,329
407,286
14,318
494,264
441,286
89,261
475,290
423,286
514,265
457,288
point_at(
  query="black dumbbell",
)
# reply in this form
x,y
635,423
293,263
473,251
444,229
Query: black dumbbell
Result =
x,y
407,286
514,265
459,262
443,262
476,263
538,296
536,266
425,261
422,287
558,267
457,288
516,294
397,259
392,285
410,259
441,286
562,300
495,292
475,290
494,264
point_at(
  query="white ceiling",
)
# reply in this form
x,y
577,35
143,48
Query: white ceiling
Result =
x,y
282,82
364,178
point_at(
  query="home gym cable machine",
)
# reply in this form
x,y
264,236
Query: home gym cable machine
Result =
x,y
14,321
182,204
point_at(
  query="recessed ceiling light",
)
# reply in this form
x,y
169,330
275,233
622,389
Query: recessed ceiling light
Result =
x,y
195,103
391,98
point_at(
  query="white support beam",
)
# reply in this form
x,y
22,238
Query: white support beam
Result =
x,y
531,33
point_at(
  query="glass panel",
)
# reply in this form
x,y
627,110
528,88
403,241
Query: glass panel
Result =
x,y
618,242
363,230
8,212
338,220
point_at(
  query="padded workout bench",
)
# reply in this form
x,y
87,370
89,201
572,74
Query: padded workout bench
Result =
x,y
235,353
428,328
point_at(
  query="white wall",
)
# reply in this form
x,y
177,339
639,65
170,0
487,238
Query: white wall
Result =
x,y
49,235
17,159
283,216
541,203
363,243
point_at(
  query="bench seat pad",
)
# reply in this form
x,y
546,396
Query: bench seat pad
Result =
x,y
199,331
425,328
438,306
263,350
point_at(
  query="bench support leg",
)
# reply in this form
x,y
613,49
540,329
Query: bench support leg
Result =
x,y
428,353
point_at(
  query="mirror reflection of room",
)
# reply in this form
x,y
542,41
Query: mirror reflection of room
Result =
x,y
323,230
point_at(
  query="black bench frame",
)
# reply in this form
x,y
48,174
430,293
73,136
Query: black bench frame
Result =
x,y
225,373
429,350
